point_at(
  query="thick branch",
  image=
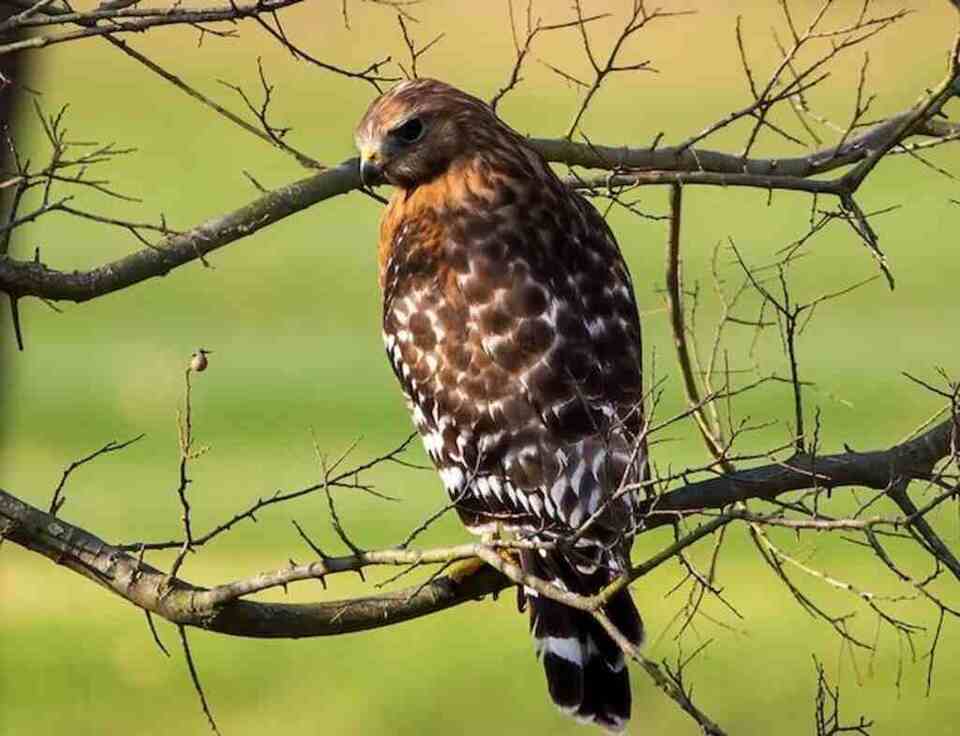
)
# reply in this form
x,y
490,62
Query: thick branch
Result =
x,y
691,160
189,605
644,166
219,609
27,278
879,469
127,20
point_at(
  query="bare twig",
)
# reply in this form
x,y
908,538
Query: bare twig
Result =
x,y
131,20
264,135
412,50
195,678
56,503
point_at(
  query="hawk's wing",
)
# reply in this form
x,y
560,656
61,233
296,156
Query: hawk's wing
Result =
x,y
511,323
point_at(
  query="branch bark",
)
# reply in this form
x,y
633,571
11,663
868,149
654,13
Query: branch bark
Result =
x,y
186,604
878,469
630,167
220,609
29,278
124,20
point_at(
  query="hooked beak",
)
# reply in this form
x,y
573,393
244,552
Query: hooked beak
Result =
x,y
371,170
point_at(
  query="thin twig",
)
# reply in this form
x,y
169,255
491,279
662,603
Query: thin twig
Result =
x,y
196,679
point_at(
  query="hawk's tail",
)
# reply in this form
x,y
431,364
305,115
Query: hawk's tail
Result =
x,y
586,673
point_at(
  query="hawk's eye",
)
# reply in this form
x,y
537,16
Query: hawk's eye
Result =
x,y
410,131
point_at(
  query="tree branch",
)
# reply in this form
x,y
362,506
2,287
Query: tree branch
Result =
x,y
639,166
29,278
878,469
126,20
219,609
186,604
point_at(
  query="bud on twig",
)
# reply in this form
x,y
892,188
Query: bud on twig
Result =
x,y
198,362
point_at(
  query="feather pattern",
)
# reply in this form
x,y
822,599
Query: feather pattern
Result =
x,y
510,321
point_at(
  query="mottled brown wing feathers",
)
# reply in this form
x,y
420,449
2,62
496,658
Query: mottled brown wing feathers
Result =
x,y
510,320
511,324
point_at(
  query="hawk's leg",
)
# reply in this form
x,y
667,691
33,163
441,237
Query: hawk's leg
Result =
x,y
472,566
506,554
465,569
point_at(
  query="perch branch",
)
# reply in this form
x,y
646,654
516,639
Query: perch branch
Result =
x,y
219,608
189,605
668,165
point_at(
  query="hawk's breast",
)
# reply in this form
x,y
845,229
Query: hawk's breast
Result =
x,y
510,323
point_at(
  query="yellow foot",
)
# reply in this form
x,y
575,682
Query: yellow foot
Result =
x,y
507,554
465,569
472,566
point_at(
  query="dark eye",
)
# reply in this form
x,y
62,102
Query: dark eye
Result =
x,y
410,131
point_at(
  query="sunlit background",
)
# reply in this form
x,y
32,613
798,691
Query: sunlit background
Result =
x,y
293,317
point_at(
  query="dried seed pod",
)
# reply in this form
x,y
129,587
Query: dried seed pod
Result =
x,y
198,361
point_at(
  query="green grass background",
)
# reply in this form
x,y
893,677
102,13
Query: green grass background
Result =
x,y
292,314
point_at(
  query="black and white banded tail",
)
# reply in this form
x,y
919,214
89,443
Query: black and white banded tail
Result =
x,y
586,672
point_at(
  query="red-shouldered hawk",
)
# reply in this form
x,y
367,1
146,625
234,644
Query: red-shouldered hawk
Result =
x,y
510,321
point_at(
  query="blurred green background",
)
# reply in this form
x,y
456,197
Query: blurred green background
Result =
x,y
293,317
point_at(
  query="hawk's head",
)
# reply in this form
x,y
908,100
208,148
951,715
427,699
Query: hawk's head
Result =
x,y
417,129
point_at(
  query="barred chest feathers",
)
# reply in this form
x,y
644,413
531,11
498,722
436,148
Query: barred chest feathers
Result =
x,y
510,388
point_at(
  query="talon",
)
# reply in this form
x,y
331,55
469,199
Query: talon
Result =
x,y
505,553
465,568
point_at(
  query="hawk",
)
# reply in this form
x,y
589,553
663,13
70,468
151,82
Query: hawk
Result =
x,y
510,321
